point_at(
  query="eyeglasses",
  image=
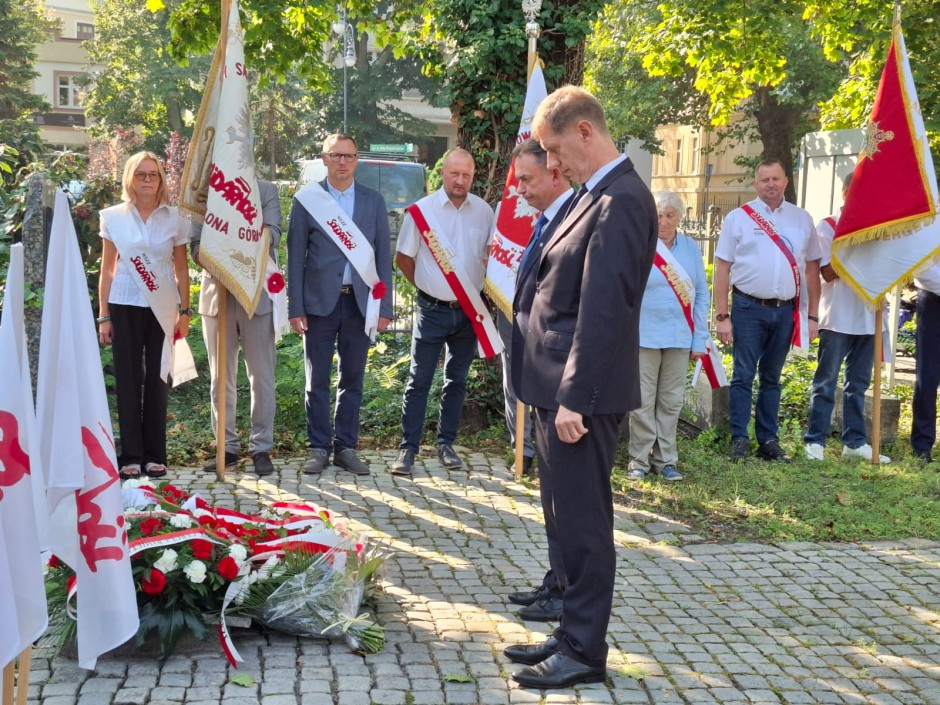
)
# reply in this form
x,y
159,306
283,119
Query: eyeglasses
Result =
x,y
147,175
342,157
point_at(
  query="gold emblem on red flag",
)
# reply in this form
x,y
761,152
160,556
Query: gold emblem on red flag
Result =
x,y
874,136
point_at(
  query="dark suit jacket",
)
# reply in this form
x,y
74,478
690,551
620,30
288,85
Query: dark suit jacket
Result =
x,y
582,346
315,264
523,296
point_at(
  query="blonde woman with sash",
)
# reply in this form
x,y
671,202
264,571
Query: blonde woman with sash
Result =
x,y
673,328
144,278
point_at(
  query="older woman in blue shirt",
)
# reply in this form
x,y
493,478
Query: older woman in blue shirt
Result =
x,y
667,342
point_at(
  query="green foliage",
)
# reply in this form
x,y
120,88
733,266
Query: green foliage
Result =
x,y
24,24
139,82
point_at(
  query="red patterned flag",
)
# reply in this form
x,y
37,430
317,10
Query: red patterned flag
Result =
x,y
888,230
516,219
220,188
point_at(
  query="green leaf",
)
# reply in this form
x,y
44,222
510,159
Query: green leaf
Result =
x,y
631,670
245,680
458,678
155,5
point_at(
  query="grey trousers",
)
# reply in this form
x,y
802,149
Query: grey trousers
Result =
x,y
663,375
257,339
504,328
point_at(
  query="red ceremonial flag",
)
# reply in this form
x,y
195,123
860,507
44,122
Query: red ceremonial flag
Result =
x,y
887,230
515,220
77,447
23,613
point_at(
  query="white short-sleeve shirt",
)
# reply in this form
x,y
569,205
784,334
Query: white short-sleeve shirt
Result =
x,y
164,230
840,308
468,231
758,267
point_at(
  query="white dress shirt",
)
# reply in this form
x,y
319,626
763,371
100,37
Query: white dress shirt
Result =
x,y
164,230
468,231
840,308
758,267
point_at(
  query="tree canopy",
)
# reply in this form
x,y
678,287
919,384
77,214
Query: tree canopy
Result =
x,y
24,25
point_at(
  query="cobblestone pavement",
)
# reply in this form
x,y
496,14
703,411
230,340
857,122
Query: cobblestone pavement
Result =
x,y
693,622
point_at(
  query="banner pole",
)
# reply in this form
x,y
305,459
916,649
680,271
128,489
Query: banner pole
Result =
x,y
221,383
876,387
9,676
22,682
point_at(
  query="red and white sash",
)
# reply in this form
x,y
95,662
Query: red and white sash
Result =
x,y
347,236
684,288
800,321
488,341
159,290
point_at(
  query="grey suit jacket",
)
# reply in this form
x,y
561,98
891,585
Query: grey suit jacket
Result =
x,y
582,346
315,264
270,216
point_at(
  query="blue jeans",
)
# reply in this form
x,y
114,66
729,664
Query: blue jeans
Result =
x,y
926,372
858,352
436,327
761,337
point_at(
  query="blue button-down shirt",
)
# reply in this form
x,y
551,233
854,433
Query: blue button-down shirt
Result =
x,y
347,201
662,322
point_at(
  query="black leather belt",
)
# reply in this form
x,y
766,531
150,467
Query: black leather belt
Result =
x,y
346,289
438,302
770,303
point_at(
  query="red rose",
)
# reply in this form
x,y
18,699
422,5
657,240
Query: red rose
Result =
x,y
228,568
153,582
150,526
378,291
276,283
54,562
202,549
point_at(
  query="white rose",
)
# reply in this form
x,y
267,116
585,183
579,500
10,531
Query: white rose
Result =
x,y
181,521
238,552
198,512
195,571
167,561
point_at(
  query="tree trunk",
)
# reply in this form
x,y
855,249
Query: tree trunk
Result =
x,y
174,117
777,123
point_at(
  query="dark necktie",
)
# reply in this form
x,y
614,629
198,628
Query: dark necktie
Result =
x,y
533,243
577,197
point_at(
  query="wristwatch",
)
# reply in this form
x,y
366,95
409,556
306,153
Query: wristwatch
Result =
x,y
722,317
186,312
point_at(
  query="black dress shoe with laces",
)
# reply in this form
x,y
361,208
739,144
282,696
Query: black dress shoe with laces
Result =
x,y
231,460
771,450
559,671
262,463
531,654
547,609
524,599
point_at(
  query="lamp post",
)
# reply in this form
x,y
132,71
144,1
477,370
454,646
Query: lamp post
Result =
x,y
345,30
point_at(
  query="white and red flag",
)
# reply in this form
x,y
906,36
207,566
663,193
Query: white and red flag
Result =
x,y
23,613
888,229
77,447
220,189
515,220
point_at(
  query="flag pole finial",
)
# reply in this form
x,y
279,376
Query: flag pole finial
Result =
x,y
897,13
531,10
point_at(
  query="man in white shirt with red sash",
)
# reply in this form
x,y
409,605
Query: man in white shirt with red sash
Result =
x,y
846,334
768,257
442,250
339,296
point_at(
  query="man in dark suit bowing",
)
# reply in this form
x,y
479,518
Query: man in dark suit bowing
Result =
x,y
580,371
547,191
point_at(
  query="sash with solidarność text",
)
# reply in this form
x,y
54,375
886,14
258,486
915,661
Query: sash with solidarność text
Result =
x,y
347,236
162,296
800,337
488,341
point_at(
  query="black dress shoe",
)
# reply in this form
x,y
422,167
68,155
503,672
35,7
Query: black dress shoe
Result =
x,y
262,463
559,671
231,460
524,599
531,654
547,609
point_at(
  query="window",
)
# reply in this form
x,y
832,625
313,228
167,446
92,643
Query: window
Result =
x,y
695,155
84,30
678,169
68,91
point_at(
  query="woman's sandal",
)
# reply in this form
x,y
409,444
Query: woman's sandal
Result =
x,y
130,472
155,470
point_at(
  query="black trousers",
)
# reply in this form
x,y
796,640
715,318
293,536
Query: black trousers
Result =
x,y
579,519
926,372
137,346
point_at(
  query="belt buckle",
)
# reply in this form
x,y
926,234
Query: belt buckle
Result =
x,y
346,289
